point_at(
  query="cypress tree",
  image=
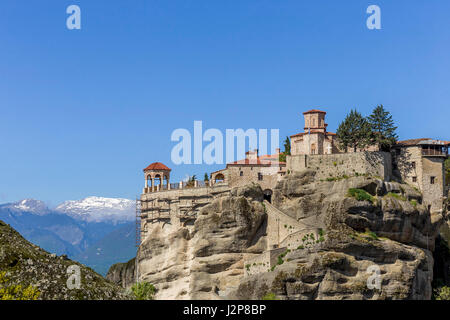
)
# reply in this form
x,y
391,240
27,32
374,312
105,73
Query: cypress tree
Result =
x,y
383,128
287,150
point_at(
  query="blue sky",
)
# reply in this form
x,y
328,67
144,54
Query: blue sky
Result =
x,y
82,112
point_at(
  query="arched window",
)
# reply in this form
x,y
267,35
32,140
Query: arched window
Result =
x,y
219,178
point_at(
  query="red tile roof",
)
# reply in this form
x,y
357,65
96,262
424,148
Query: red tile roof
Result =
x,y
157,166
265,160
314,111
413,142
257,162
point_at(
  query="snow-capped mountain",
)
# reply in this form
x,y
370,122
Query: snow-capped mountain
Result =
x,y
98,209
36,207
79,229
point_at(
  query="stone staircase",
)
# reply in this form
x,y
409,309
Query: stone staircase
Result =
x,y
283,233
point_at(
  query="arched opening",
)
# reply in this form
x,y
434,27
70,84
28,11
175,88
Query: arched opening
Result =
x,y
158,180
165,183
149,181
268,195
219,178
313,148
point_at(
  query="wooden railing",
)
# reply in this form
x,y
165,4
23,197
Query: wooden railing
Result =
x,y
434,152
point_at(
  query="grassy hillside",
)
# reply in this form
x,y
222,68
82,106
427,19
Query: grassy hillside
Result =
x,y
27,264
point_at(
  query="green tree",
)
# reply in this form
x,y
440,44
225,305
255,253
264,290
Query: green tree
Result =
x,y
191,181
143,291
383,128
287,150
206,178
354,132
16,292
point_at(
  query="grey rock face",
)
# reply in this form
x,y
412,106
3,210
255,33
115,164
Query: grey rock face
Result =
x,y
391,231
206,260
388,229
123,274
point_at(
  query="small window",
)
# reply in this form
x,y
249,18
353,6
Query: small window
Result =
x,y
260,176
241,173
414,179
413,164
432,179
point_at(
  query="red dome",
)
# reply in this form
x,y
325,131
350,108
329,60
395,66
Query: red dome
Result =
x,y
157,166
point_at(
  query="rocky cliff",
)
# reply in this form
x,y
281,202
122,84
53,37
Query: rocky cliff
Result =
x,y
123,274
27,264
367,225
206,260
364,224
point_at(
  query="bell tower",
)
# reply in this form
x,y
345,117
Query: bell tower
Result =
x,y
315,120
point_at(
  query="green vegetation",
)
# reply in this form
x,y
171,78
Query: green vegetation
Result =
x,y
264,206
372,235
396,196
367,235
321,236
383,128
354,132
143,291
281,256
442,293
270,296
287,150
16,292
360,195
247,266
414,203
191,181
206,178
357,131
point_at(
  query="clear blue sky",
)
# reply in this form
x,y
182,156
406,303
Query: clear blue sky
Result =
x,y
83,112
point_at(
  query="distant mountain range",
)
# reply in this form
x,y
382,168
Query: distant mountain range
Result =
x,y
95,231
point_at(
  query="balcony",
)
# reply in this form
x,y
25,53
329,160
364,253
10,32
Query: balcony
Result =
x,y
434,152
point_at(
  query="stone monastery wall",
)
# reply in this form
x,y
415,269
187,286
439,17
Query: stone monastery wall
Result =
x,y
350,164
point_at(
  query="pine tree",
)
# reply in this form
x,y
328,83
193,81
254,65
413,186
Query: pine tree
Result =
x,y
287,150
354,132
383,128
206,177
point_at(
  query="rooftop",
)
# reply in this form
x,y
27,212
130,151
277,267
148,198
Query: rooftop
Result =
x,y
422,141
314,111
158,166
